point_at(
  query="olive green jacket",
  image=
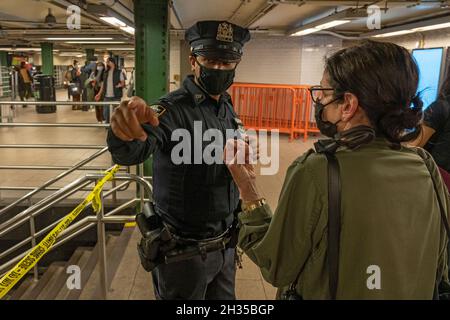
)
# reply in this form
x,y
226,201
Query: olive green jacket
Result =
x,y
393,242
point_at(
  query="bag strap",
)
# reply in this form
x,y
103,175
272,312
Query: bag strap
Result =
x,y
334,224
444,217
334,221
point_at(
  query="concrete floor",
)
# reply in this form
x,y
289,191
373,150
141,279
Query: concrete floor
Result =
x,y
135,283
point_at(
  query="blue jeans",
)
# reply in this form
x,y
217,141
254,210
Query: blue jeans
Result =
x,y
106,108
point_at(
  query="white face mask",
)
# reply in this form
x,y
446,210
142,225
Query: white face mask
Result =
x,y
99,68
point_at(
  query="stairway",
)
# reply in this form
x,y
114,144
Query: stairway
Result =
x,y
126,277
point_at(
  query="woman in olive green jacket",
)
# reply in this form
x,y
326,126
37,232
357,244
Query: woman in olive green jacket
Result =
x,y
392,239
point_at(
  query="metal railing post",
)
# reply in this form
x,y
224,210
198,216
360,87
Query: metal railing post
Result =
x,y
113,184
141,190
101,240
33,242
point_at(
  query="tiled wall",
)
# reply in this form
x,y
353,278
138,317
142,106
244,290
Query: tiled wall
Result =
x,y
314,51
271,60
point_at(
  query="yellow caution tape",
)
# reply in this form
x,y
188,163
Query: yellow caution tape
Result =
x,y
8,281
130,225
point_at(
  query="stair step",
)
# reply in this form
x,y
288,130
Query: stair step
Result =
x,y
58,282
22,288
115,258
43,282
94,280
52,285
65,291
87,271
131,281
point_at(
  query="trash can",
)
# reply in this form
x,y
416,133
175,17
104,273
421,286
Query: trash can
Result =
x,y
45,91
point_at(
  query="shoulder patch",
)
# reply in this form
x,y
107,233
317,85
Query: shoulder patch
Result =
x,y
158,109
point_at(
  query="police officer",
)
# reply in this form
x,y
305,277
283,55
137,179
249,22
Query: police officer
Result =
x,y
198,200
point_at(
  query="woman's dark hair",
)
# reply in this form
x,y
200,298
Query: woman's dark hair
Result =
x,y
384,77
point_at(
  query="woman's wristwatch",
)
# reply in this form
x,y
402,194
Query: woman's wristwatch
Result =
x,y
252,205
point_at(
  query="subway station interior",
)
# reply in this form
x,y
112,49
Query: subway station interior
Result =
x,y
72,190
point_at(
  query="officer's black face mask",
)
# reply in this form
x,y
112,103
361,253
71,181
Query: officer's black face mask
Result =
x,y
327,128
215,81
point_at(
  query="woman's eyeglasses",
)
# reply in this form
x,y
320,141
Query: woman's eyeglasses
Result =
x,y
317,94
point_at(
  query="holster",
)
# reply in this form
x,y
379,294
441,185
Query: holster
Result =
x,y
159,243
156,238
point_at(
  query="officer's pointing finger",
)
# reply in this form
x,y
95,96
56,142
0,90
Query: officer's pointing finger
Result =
x,y
151,117
118,132
134,125
123,123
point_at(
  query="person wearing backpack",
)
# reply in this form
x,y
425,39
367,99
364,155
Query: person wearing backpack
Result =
x,y
362,217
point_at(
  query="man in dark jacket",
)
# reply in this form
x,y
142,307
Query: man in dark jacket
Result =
x,y
112,86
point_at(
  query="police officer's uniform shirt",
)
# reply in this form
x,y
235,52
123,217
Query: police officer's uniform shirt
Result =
x,y
197,199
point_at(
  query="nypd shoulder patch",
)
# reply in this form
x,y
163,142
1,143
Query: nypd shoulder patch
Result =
x,y
158,109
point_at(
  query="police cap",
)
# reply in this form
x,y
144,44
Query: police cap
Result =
x,y
217,39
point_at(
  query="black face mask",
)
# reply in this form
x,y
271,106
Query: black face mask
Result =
x,y
327,128
215,81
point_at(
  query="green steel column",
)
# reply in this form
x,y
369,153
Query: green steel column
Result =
x,y
47,58
3,58
152,52
89,54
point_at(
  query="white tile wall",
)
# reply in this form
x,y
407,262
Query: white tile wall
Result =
x,y
271,61
315,49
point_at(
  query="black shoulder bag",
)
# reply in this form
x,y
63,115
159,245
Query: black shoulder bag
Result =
x,y
334,229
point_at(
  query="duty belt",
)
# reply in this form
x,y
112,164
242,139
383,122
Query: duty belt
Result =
x,y
160,243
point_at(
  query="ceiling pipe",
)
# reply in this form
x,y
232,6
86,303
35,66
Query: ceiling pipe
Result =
x,y
176,14
121,9
327,3
233,15
64,4
261,12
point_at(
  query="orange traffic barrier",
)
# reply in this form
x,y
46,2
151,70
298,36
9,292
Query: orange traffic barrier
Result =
x,y
287,108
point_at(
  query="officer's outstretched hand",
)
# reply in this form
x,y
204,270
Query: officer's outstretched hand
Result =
x,y
127,119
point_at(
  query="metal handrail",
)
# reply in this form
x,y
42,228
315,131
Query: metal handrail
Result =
x,y
60,103
57,125
34,210
76,228
49,146
50,226
52,181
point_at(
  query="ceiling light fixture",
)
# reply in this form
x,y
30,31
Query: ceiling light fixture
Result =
x,y
321,27
331,21
421,26
73,39
94,42
128,29
114,21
